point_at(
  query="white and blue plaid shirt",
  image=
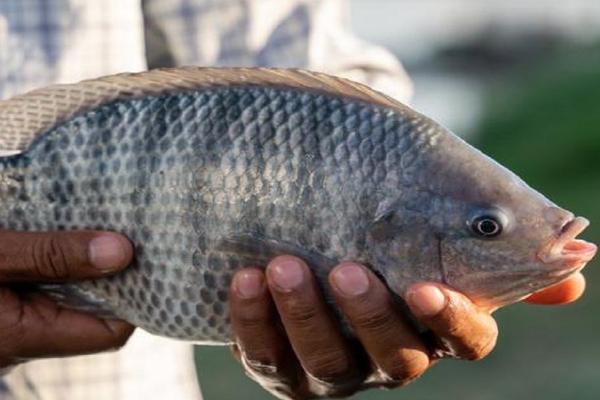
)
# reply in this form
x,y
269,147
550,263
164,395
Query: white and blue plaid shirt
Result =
x,y
59,41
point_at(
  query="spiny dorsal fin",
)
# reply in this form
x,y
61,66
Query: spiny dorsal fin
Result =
x,y
24,117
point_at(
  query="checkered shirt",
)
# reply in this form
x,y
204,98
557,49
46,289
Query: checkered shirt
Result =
x,y
59,41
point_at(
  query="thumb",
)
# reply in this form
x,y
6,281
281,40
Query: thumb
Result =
x,y
61,256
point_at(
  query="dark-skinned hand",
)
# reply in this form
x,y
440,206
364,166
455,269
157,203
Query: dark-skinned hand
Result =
x,y
289,364
34,326
289,342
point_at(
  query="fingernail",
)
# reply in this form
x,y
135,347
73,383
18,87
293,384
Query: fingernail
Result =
x,y
287,275
351,280
426,300
106,253
248,284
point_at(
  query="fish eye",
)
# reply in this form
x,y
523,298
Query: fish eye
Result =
x,y
487,224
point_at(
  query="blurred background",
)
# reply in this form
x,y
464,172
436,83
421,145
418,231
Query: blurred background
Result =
x,y
519,79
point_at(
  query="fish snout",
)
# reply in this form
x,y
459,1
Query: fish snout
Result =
x,y
557,217
565,251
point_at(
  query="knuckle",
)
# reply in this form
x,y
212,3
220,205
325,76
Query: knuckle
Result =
x,y
250,318
49,258
372,320
331,366
481,349
452,323
250,324
407,367
300,312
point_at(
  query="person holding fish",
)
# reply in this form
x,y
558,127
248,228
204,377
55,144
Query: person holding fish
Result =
x,y
284,332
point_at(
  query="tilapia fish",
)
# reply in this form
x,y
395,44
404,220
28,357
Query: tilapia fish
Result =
x,y
210,170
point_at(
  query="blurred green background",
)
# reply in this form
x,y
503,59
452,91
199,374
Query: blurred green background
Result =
x,y
537,112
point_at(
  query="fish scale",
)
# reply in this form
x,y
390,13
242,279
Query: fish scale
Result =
x,y
203,193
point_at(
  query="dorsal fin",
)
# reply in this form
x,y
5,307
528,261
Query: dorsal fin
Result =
x,y
24,117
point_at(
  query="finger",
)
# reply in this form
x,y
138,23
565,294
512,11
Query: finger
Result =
x,y
564,292
322,350
387,337
468,332
61,256
38,327
263,348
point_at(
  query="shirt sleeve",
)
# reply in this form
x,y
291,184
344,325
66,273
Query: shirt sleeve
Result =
x,y
335,49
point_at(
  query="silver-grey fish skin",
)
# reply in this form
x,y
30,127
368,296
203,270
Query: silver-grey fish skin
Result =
x,y
209,170
190,176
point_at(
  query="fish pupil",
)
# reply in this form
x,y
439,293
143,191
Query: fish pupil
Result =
x,y
488,227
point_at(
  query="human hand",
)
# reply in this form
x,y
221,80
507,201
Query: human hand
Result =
x,y
34,326
306,355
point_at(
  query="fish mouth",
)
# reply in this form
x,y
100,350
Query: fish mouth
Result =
x,y
565,253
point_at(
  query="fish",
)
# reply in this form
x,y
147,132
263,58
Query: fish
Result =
x,y
208,170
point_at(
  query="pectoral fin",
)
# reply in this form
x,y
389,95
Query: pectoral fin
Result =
x,y
73,296
262,249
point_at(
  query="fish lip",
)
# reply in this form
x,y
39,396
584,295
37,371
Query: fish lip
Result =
x,y
565,253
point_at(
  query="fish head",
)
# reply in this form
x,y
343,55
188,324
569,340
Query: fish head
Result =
x,y
499,239
482,230
504,255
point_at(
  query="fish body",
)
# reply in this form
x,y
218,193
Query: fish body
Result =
x,y
210,170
